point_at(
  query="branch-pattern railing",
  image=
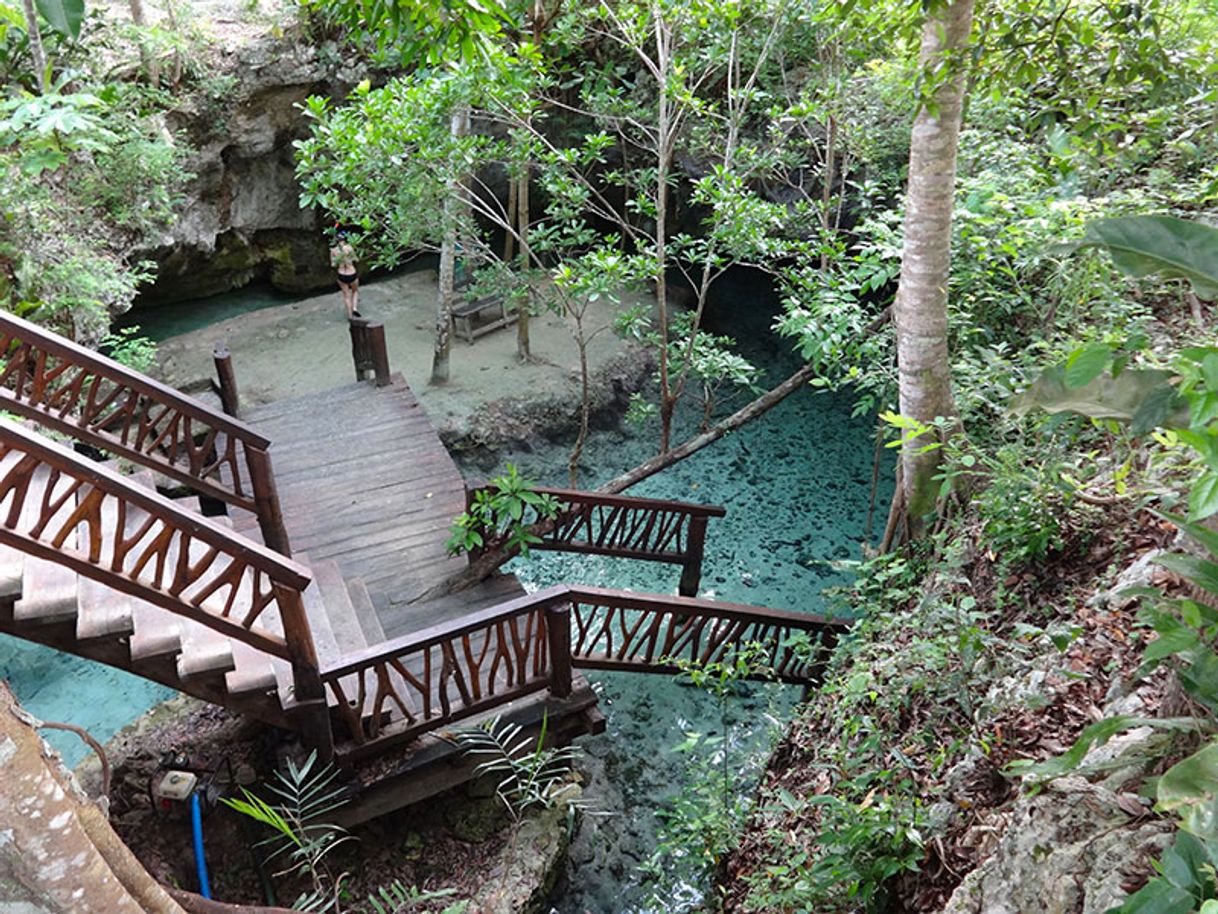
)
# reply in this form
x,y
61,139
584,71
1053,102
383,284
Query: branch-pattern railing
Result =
x,y
96,400
623,526
399,689
59,506
620,630
402,688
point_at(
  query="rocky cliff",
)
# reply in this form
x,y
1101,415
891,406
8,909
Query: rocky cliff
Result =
x,y
240,219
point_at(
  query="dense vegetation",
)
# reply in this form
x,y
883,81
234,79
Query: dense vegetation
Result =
x,y
1061,418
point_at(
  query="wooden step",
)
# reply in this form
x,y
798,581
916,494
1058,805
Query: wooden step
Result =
x,y
158,632
101,611
253,672
205,651
365,611
48,590
339,611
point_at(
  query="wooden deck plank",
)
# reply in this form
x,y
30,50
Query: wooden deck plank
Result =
x,y
365,482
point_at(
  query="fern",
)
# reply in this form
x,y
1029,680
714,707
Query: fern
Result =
x,y
529,773
396,898
307,793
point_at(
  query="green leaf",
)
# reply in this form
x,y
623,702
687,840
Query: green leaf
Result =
x,y
1104,397
1191,781
1202,573
64,16
1203,496
1086,364
1160,245
1157,897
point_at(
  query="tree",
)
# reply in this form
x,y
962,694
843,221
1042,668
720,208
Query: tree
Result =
x,y
60,855
920,309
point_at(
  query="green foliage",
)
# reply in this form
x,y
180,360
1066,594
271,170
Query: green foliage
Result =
x,y
396,898
126,346
530,774
1162,246
64,16
88,176
501,515
307,794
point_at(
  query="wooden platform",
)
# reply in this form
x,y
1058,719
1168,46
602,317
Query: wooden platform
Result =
x,y
365,481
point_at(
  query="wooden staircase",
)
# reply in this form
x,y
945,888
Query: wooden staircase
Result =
x,y
50,603
98,563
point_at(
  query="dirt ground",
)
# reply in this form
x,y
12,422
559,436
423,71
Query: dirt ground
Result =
x,y
463,842
303,347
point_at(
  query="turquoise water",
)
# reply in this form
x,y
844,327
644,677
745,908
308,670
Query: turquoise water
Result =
x,y
60,687
163,321
796,485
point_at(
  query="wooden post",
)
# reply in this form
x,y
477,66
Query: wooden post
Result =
x,y
227,379
359,346
695,544
558,632
378,353
311,710
266,501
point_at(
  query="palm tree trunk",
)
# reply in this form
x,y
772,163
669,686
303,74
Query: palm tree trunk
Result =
x,y
920,310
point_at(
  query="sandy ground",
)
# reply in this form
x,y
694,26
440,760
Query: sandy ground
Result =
x,y
304,347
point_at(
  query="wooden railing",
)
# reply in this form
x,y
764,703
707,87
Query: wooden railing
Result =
x,y
620,630
623,526
93,399
59,506
397,690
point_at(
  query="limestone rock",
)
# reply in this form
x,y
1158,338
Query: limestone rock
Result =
x,y
1070,848
530,863
241,218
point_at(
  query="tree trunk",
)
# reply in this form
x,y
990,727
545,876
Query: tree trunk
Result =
x,y
147,59
458,126
58,853
920,310
38,54
523,351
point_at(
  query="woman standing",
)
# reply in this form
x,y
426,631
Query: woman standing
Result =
x,y
342,258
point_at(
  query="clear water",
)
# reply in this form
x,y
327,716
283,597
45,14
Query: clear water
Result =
x,y
796,485
60,687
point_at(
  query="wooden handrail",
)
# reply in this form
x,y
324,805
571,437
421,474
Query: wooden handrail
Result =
x,y
94,399
577,496
626,526
444,631
80,520
498,654
13,328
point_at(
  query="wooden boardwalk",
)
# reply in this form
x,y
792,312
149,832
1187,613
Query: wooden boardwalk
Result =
x,y
365,481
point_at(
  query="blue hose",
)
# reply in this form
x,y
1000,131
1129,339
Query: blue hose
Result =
x,y
196,826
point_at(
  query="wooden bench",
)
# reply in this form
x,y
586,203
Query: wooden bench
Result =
x,y
465,312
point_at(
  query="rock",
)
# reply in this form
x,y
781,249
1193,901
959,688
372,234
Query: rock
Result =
x,y
1069,849
531,863
242,219
475,820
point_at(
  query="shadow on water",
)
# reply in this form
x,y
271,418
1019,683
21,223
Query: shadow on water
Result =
x,y
796,485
